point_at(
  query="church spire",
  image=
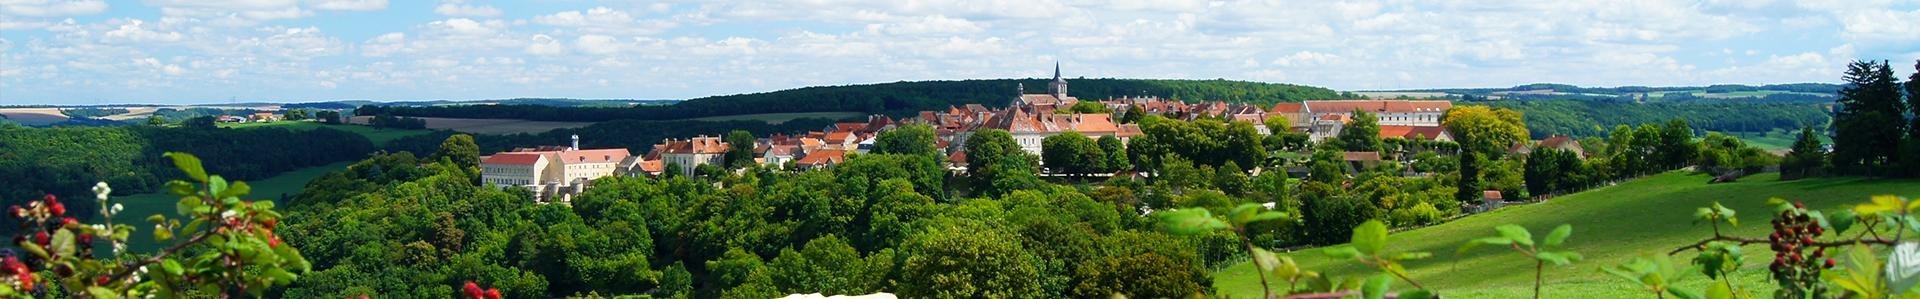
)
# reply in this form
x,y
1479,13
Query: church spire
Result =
x,y
1058,88
1056,71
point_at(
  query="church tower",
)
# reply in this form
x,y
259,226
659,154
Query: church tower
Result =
x,y
1059,86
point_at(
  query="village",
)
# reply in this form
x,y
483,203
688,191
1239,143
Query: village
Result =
x,y
556,173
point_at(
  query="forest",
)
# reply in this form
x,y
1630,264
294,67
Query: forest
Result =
x,y
65,161
1592,118
898,99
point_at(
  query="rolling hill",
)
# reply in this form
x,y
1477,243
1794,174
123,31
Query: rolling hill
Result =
x,y
1611,225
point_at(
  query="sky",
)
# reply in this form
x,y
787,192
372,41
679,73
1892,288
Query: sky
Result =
x,y
217,51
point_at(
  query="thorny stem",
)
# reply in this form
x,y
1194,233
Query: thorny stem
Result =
x,y
1745,241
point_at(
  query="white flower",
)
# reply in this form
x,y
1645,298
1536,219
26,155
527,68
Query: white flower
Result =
x,y
228,214
99,227
117,207
100,190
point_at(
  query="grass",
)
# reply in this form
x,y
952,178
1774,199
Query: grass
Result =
x,y
1779,139
1611,225
140,206
379,137
777,118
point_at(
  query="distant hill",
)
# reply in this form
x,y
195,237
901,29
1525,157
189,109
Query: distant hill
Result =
x,y
549,102
897,98
1794,92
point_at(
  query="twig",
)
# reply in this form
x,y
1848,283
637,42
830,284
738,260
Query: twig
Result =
x,y
1745,241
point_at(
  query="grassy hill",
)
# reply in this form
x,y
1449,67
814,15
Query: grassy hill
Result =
x,y
1611,225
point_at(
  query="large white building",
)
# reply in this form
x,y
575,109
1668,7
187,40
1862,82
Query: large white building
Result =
x,y
691,153
552,172
1323,119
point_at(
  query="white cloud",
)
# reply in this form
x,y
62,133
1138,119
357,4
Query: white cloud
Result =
x,y
51,8
543,45
603,20
362,5
459,8
598,44
138,31
934,24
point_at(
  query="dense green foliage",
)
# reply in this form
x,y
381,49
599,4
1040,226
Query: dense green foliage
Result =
x,y
65,161
633,135
91,112
1594,118
900,98
1867,136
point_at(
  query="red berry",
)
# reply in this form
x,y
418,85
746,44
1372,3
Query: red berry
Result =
x,y
69,221
1829,263
270,223
85,240
42,238
472,289
102,280
50,198
56,208
1799,205
493,293
1806,240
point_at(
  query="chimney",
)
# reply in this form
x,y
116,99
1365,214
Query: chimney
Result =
x,y
576,143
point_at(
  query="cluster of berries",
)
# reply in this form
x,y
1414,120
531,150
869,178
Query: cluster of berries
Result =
x,y
473,291
1797,262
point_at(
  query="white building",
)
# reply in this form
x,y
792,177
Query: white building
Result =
x,y
551,172
1323,119
691,153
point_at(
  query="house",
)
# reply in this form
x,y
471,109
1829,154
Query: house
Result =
x,y
1416,133
778,155
821,159
1361,161
1565,143
553,172
263,117
693,152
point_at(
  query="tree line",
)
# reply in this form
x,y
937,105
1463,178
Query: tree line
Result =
x,y
900,99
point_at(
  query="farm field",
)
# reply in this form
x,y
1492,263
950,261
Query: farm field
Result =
x,y
1611,225
777,118
1775,140
1736,94
33,116
140,206
378,136
488,126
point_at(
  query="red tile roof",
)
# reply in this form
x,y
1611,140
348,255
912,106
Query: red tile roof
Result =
x,y
1395,106
593,156
696,145
513,158
823,157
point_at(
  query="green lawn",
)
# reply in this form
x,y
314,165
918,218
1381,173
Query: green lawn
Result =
x,y
140,206
1611,225
379,137
777,118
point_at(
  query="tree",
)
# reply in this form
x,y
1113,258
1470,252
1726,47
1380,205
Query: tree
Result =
x,y
912,139
1913,101
740,145
1362,134
460,150
156,120
1863,138
1806,158
1116,154
997,164
297,114
330,117
1676,144
1086,107
1071,153
1278,124
953,261
1133,115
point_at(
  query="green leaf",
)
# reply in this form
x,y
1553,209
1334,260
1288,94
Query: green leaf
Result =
x,y
172,267
1189,221
216,185
189,164
1516,233
1265,260
1370,237
1343,252
63,243
1685,294
1268,216
35,249
1841,220
1416,294
1376,287
102,293
157,219
187,205
1411,256
1880,204
1558,235
178,187
1725,213
236,190
1719,291
1557,258
1482,241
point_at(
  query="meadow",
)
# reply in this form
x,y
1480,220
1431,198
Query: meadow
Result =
x,y
1611,225
139,206
495,126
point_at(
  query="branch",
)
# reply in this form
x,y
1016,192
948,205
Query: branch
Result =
x,y
1822,244
128,270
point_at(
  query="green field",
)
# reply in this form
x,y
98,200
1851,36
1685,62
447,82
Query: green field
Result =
x,y
379,137
1774,140
1736,94
1611,225
140,206
777,118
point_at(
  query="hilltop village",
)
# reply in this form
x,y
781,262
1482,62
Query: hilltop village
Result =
x,y
555,173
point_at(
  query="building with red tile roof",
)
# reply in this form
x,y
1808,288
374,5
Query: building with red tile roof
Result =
x,y
553,172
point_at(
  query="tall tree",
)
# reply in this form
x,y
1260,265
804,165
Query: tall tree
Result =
x,y
1676,144
1363,133
913,139
1070,153
1133,114
1913,101
997,164
1278,124
1116,154
460,150
739,148
1483,134
1806,158
1864,138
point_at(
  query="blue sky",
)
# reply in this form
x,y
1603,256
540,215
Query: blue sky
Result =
x,y
214,51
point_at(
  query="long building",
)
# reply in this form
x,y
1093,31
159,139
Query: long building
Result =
x,y
552,172
1323,119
